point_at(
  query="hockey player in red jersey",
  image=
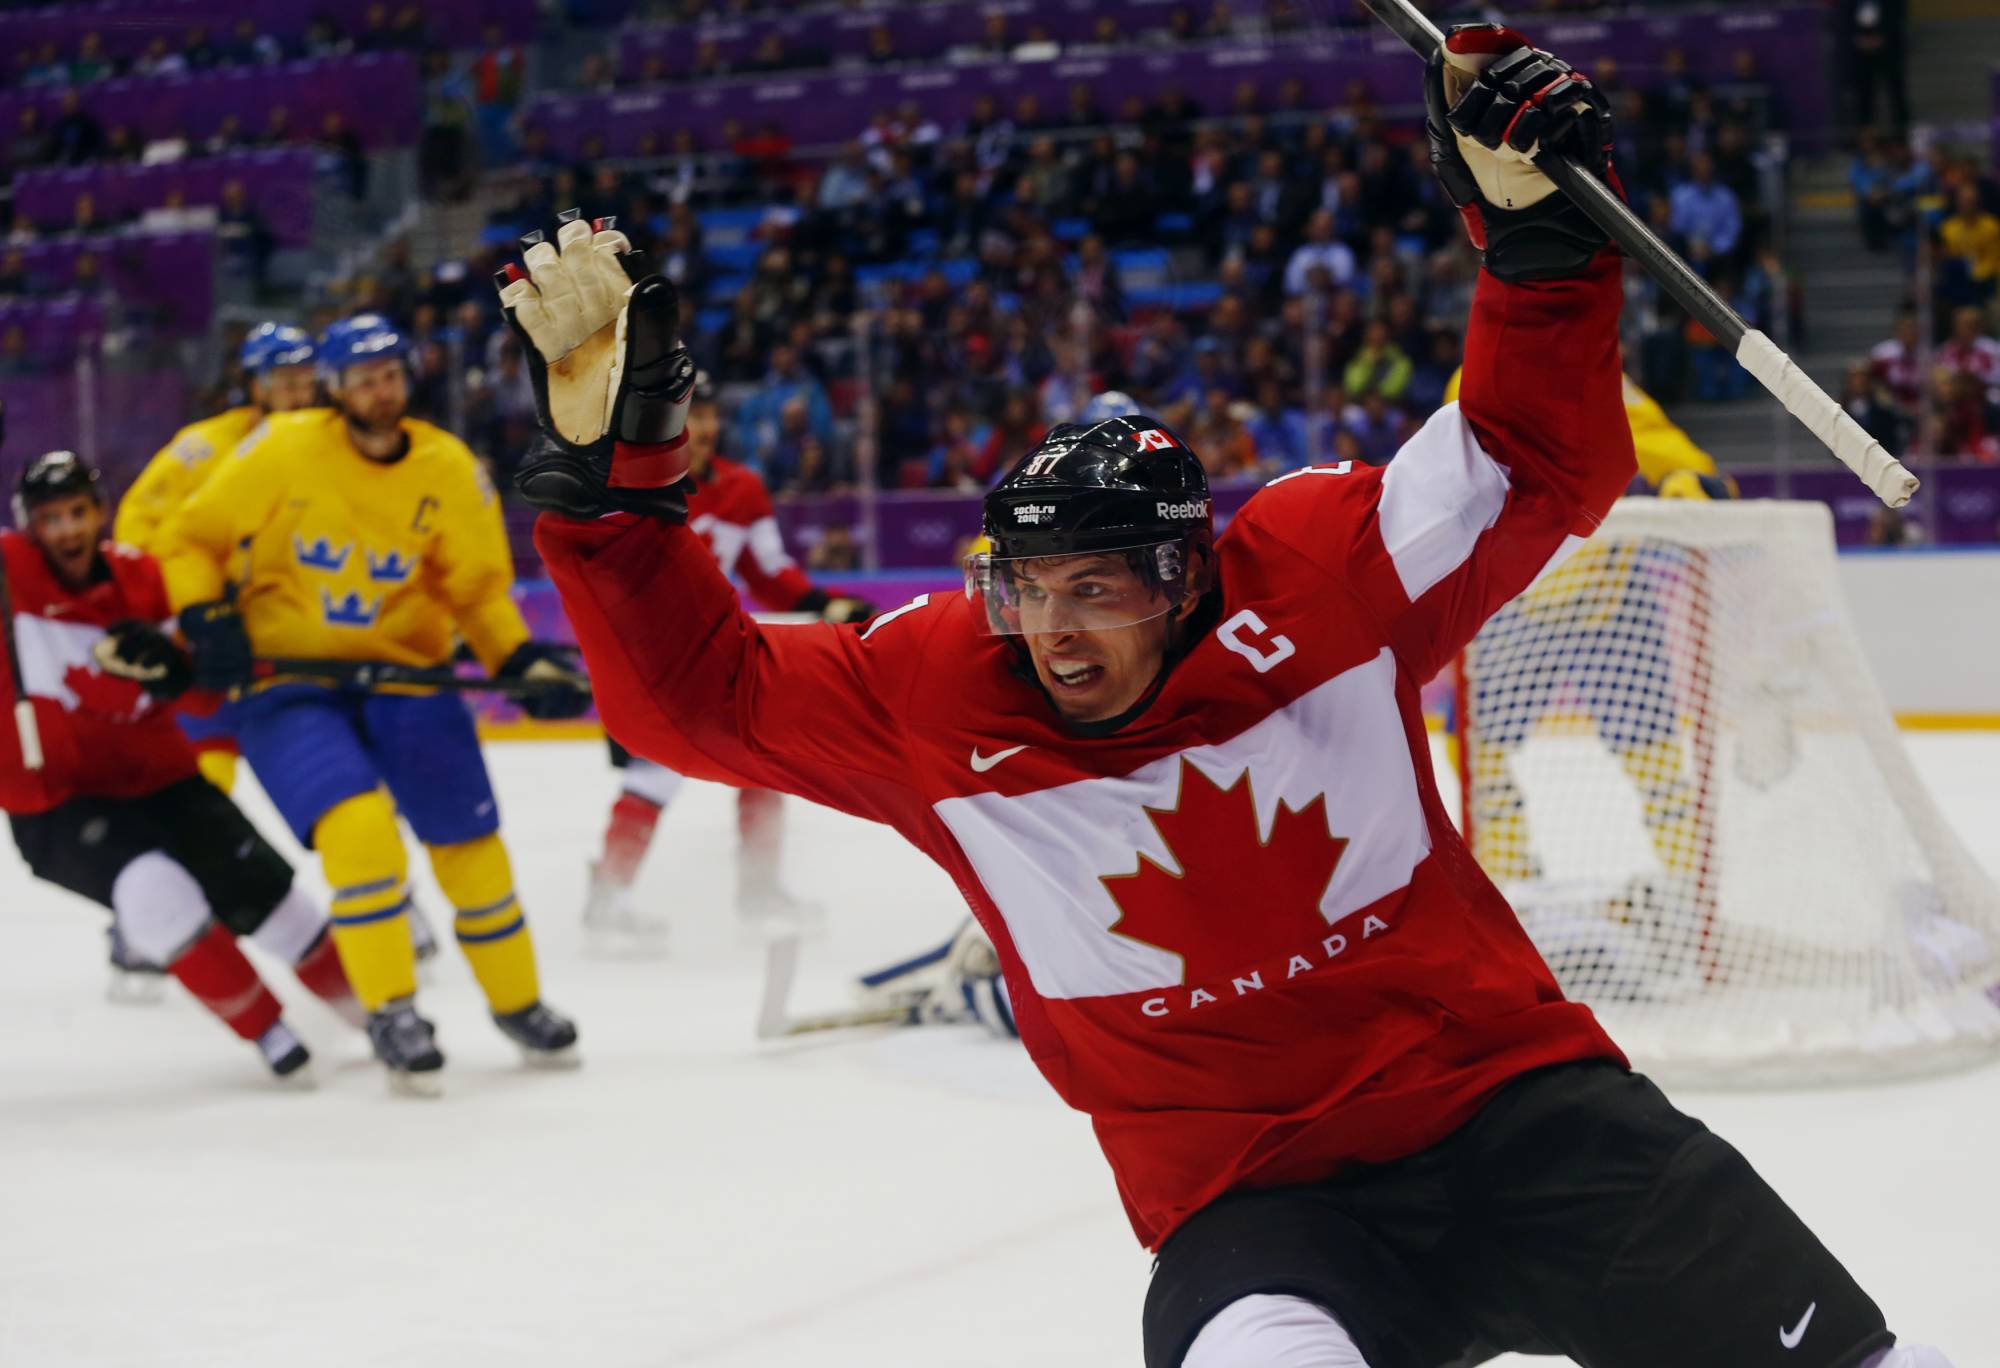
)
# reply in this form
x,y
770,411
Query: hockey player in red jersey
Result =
x,y
729,506
1185,785
116,809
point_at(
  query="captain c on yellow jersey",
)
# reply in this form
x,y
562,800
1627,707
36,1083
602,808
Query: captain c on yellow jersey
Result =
x,y
277,362
373,536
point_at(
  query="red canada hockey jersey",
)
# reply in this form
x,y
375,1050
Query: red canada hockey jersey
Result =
x,y
732,509
101,736
1242,932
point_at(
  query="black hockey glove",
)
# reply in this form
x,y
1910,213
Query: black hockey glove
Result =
x,y
147,656
838,609
214,633
568,689
1494,104
611,378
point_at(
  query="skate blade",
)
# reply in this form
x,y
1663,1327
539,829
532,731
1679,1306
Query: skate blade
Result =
x,y
552,1061
405,1084
624,944
301,1079
135,990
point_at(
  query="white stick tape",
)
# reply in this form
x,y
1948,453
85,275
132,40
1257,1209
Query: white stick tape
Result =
x,y
31,735
1846,439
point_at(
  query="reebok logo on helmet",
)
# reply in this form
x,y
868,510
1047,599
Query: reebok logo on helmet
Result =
x,y
1193,508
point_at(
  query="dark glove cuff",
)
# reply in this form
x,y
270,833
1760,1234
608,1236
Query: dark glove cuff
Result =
x,y
1552,240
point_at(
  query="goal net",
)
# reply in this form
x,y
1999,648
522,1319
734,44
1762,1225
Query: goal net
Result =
x,y
1676,764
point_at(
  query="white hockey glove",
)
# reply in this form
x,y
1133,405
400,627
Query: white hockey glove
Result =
x,y
1495,104
611,378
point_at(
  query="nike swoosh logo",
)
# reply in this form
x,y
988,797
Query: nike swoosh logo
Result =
x,y
983,763
1790,1338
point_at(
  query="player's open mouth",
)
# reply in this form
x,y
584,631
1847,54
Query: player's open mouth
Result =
x,y
1074,674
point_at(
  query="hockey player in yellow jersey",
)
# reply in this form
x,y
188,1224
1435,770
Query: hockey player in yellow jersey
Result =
x,y
1601,611
372,536
277,363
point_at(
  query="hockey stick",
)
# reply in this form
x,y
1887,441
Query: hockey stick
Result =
x,y
774,1019
376,674
24,710
1850,443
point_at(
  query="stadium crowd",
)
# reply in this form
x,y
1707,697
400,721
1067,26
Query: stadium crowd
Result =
x,y
1279,285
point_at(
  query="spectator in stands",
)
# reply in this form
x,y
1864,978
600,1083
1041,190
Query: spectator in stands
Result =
x,y
444,162
248,46
1969,351
1967,417
1969,241
1221,433
376,35
278,130
1707,215
1378,429
709,62
323,38
228,136
29,147
594,74
1873,35
1897,365
14,282
1018,428
198,50
1273,427
759,424
955,462
76,136
159,59
47,69
1320,249
246,240
835,550
1869,403
120,145
769,54
1379,368
342,155
90,64
15,360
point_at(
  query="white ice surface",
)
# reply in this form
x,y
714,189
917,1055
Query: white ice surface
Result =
x,y
901,1197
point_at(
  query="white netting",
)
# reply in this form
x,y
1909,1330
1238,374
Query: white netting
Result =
x,y
1680,771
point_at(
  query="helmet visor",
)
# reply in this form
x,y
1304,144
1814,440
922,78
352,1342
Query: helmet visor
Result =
x,y
1084,591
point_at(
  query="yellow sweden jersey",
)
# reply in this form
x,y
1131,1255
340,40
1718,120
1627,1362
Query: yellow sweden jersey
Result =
x,y
350,558
177,472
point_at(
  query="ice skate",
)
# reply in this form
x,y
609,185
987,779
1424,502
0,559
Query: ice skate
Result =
x,y
613,923
765,911
133,982
547,1039
405,1044
287,1056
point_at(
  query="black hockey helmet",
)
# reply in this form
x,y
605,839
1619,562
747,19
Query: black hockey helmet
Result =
x,y
1125,485
53,475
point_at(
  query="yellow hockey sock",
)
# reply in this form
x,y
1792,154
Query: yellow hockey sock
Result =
x,y
1672,810
219,768
361,851
478,878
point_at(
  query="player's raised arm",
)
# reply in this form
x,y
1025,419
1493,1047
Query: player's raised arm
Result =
x,y
682,674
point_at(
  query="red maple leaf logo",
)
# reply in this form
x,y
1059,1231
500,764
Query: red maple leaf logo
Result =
x,y
1240,898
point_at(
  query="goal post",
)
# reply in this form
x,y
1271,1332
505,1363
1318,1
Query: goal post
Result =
x,y
1677,765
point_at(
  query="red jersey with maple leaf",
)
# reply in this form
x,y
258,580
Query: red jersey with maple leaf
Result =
x,y
732,509
101,735
1241,932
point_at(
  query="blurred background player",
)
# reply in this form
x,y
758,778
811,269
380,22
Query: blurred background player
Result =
x,y
117,811
373,536
731,509
1597,627
280,376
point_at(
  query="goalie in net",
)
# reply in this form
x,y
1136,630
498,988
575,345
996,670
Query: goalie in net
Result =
x,y
1677,765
